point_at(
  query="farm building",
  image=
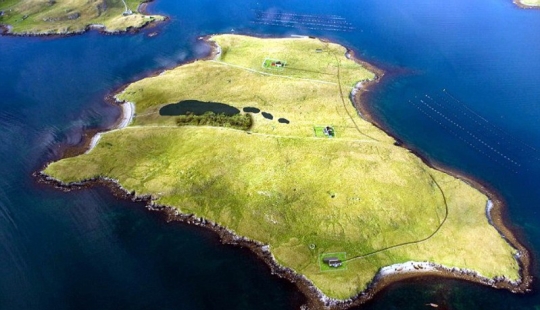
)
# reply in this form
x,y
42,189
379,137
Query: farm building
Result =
x,y
332,261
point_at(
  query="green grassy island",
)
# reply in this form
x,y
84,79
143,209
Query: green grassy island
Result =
x,y
303,174
46,17
528,3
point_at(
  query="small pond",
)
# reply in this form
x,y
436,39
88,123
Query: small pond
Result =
x,y
198,108
267,115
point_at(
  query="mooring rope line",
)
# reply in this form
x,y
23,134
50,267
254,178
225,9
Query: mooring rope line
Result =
x,y
480,120
469,133
461,137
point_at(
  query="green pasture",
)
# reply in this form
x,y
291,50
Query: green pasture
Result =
x,y
303,61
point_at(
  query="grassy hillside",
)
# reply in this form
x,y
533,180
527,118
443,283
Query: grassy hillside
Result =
x,y
70,16
304,194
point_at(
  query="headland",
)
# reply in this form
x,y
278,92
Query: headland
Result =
x,y
62,17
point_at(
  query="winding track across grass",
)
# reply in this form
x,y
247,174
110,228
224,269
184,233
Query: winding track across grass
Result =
x,y
270,74
433,179
343,99
410,242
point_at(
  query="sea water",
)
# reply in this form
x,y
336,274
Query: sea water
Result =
x,y
475,64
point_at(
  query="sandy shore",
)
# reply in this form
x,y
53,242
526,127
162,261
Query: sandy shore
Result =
x,y
128,112
317,299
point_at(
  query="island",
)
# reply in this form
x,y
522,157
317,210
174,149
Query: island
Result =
x,y
528,4
263,143
54,17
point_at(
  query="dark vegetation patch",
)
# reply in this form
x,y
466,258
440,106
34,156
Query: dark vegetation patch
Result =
x,y
238,121
267,115
196,107
283,120
251,110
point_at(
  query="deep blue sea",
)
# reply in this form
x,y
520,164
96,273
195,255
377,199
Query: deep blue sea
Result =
x,y
462,88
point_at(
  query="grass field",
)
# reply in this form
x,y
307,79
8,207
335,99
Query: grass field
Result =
x,y
281,185
69,16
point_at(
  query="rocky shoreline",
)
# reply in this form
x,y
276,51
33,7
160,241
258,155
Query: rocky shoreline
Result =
x,y
142,9
316,298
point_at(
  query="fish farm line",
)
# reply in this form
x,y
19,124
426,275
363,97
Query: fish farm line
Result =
x,y
305,21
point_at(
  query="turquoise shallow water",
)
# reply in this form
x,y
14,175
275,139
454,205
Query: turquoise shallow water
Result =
x,y
87,250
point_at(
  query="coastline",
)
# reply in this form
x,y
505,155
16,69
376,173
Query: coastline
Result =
x,y
495,209
7,30
315,298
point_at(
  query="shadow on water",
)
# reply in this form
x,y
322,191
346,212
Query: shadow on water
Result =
x,y
198,108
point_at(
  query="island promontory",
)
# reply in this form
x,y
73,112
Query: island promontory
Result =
x,y
53,17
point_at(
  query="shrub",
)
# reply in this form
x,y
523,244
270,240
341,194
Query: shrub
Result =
x,y
238,121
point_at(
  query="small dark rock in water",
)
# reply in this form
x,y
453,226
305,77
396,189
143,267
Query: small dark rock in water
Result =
x,y
283,120
267,115
251,110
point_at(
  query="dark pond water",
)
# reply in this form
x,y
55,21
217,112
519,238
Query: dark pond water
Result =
x,y
197,107
267,115
283,120
87,250
251,110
